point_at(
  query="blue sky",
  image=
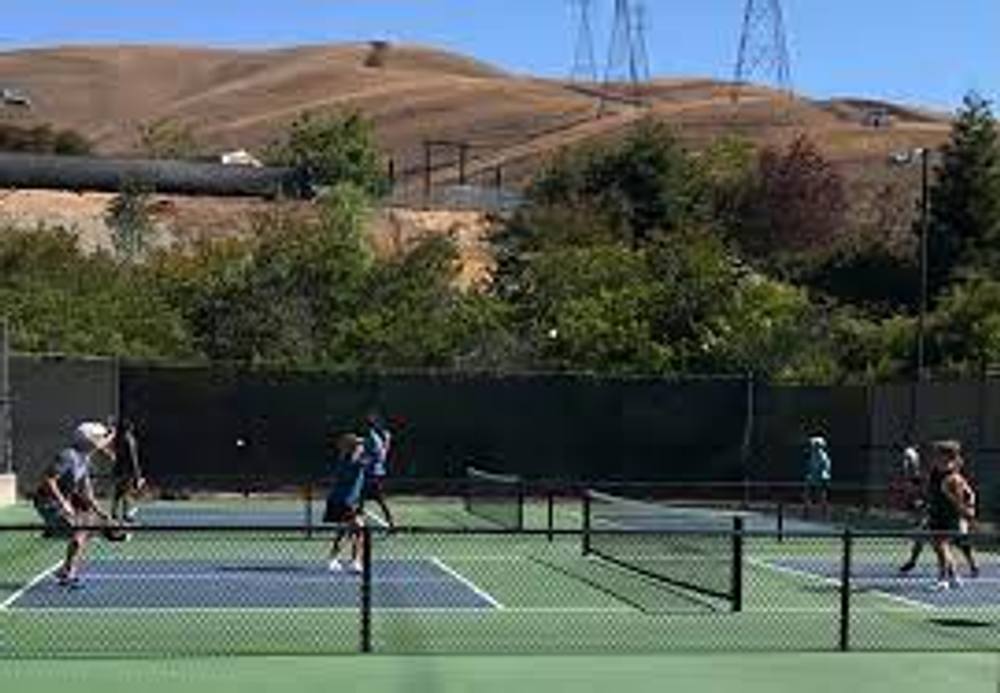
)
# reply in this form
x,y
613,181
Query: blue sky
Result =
x,y
918,51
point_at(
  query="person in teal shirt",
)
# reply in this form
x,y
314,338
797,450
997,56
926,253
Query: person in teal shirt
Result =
x,y
819,471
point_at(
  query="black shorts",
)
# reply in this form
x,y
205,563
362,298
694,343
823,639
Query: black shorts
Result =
x,y
819,488
943,523
374,488
339,513
124,485
57,524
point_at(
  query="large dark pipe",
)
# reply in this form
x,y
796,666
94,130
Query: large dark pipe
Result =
x,y
89,174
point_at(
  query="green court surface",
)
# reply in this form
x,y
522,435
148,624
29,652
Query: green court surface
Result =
x,y
760,673
493,594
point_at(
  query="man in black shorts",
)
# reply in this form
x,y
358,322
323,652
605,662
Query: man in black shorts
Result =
x,y
64,498
126,472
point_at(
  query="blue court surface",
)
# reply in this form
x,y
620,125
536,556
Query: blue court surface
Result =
x,y
915,588
203,584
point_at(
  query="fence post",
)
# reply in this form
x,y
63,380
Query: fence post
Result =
x,y
586,523
737,568
845,593
366,589
6,403
309,510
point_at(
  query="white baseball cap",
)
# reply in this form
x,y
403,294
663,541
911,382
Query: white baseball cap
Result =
x,y
91,434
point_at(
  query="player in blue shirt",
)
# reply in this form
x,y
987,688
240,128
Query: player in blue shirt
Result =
x,y
376,444
65,496
343,503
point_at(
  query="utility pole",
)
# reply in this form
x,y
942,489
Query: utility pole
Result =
x,y
584,58
6,403
627,57
763,49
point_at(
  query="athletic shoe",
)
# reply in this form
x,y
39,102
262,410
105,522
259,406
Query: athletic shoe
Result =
x,y
356,567
334,566
132,514
941,586
974,572
906,568
955,581
69,581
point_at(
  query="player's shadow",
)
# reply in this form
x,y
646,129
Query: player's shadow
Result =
x,y
961,623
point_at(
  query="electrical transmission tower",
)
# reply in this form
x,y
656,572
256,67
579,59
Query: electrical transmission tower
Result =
x,y
763,47
627,58
584,60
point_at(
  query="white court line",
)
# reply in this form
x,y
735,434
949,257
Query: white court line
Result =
x,y
379,522
328,579
467,582
443,610
31,583
924,606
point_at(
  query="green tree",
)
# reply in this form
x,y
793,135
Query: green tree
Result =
x,y
60,299
964,231
168,139
964,331
333,149
641,185
129,217
411,314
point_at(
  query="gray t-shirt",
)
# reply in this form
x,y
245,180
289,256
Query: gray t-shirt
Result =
x,y
71,470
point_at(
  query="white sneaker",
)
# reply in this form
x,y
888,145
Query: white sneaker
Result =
x,y
132,514
941,586
955,582
334,566
356,567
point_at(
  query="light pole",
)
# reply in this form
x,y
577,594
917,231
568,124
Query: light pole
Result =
x,y
906,158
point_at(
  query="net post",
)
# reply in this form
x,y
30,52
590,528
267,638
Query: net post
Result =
x,y
366,589
550,511
737,568
585,535
845,592
781,523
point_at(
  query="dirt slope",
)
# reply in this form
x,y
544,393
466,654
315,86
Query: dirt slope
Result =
x,y
243,99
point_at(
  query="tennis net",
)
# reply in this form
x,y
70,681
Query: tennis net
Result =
x,y
693,548
498,498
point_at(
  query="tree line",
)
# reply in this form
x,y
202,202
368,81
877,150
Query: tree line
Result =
x,y
633,256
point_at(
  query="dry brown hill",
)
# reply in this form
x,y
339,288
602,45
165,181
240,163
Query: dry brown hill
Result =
x,y
234,98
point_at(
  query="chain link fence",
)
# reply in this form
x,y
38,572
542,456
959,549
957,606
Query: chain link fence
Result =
x,y
213,590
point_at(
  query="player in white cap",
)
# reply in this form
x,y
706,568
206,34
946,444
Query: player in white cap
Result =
x,y
65,496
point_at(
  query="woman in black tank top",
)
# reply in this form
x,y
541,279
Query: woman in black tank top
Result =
x,y
943,514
